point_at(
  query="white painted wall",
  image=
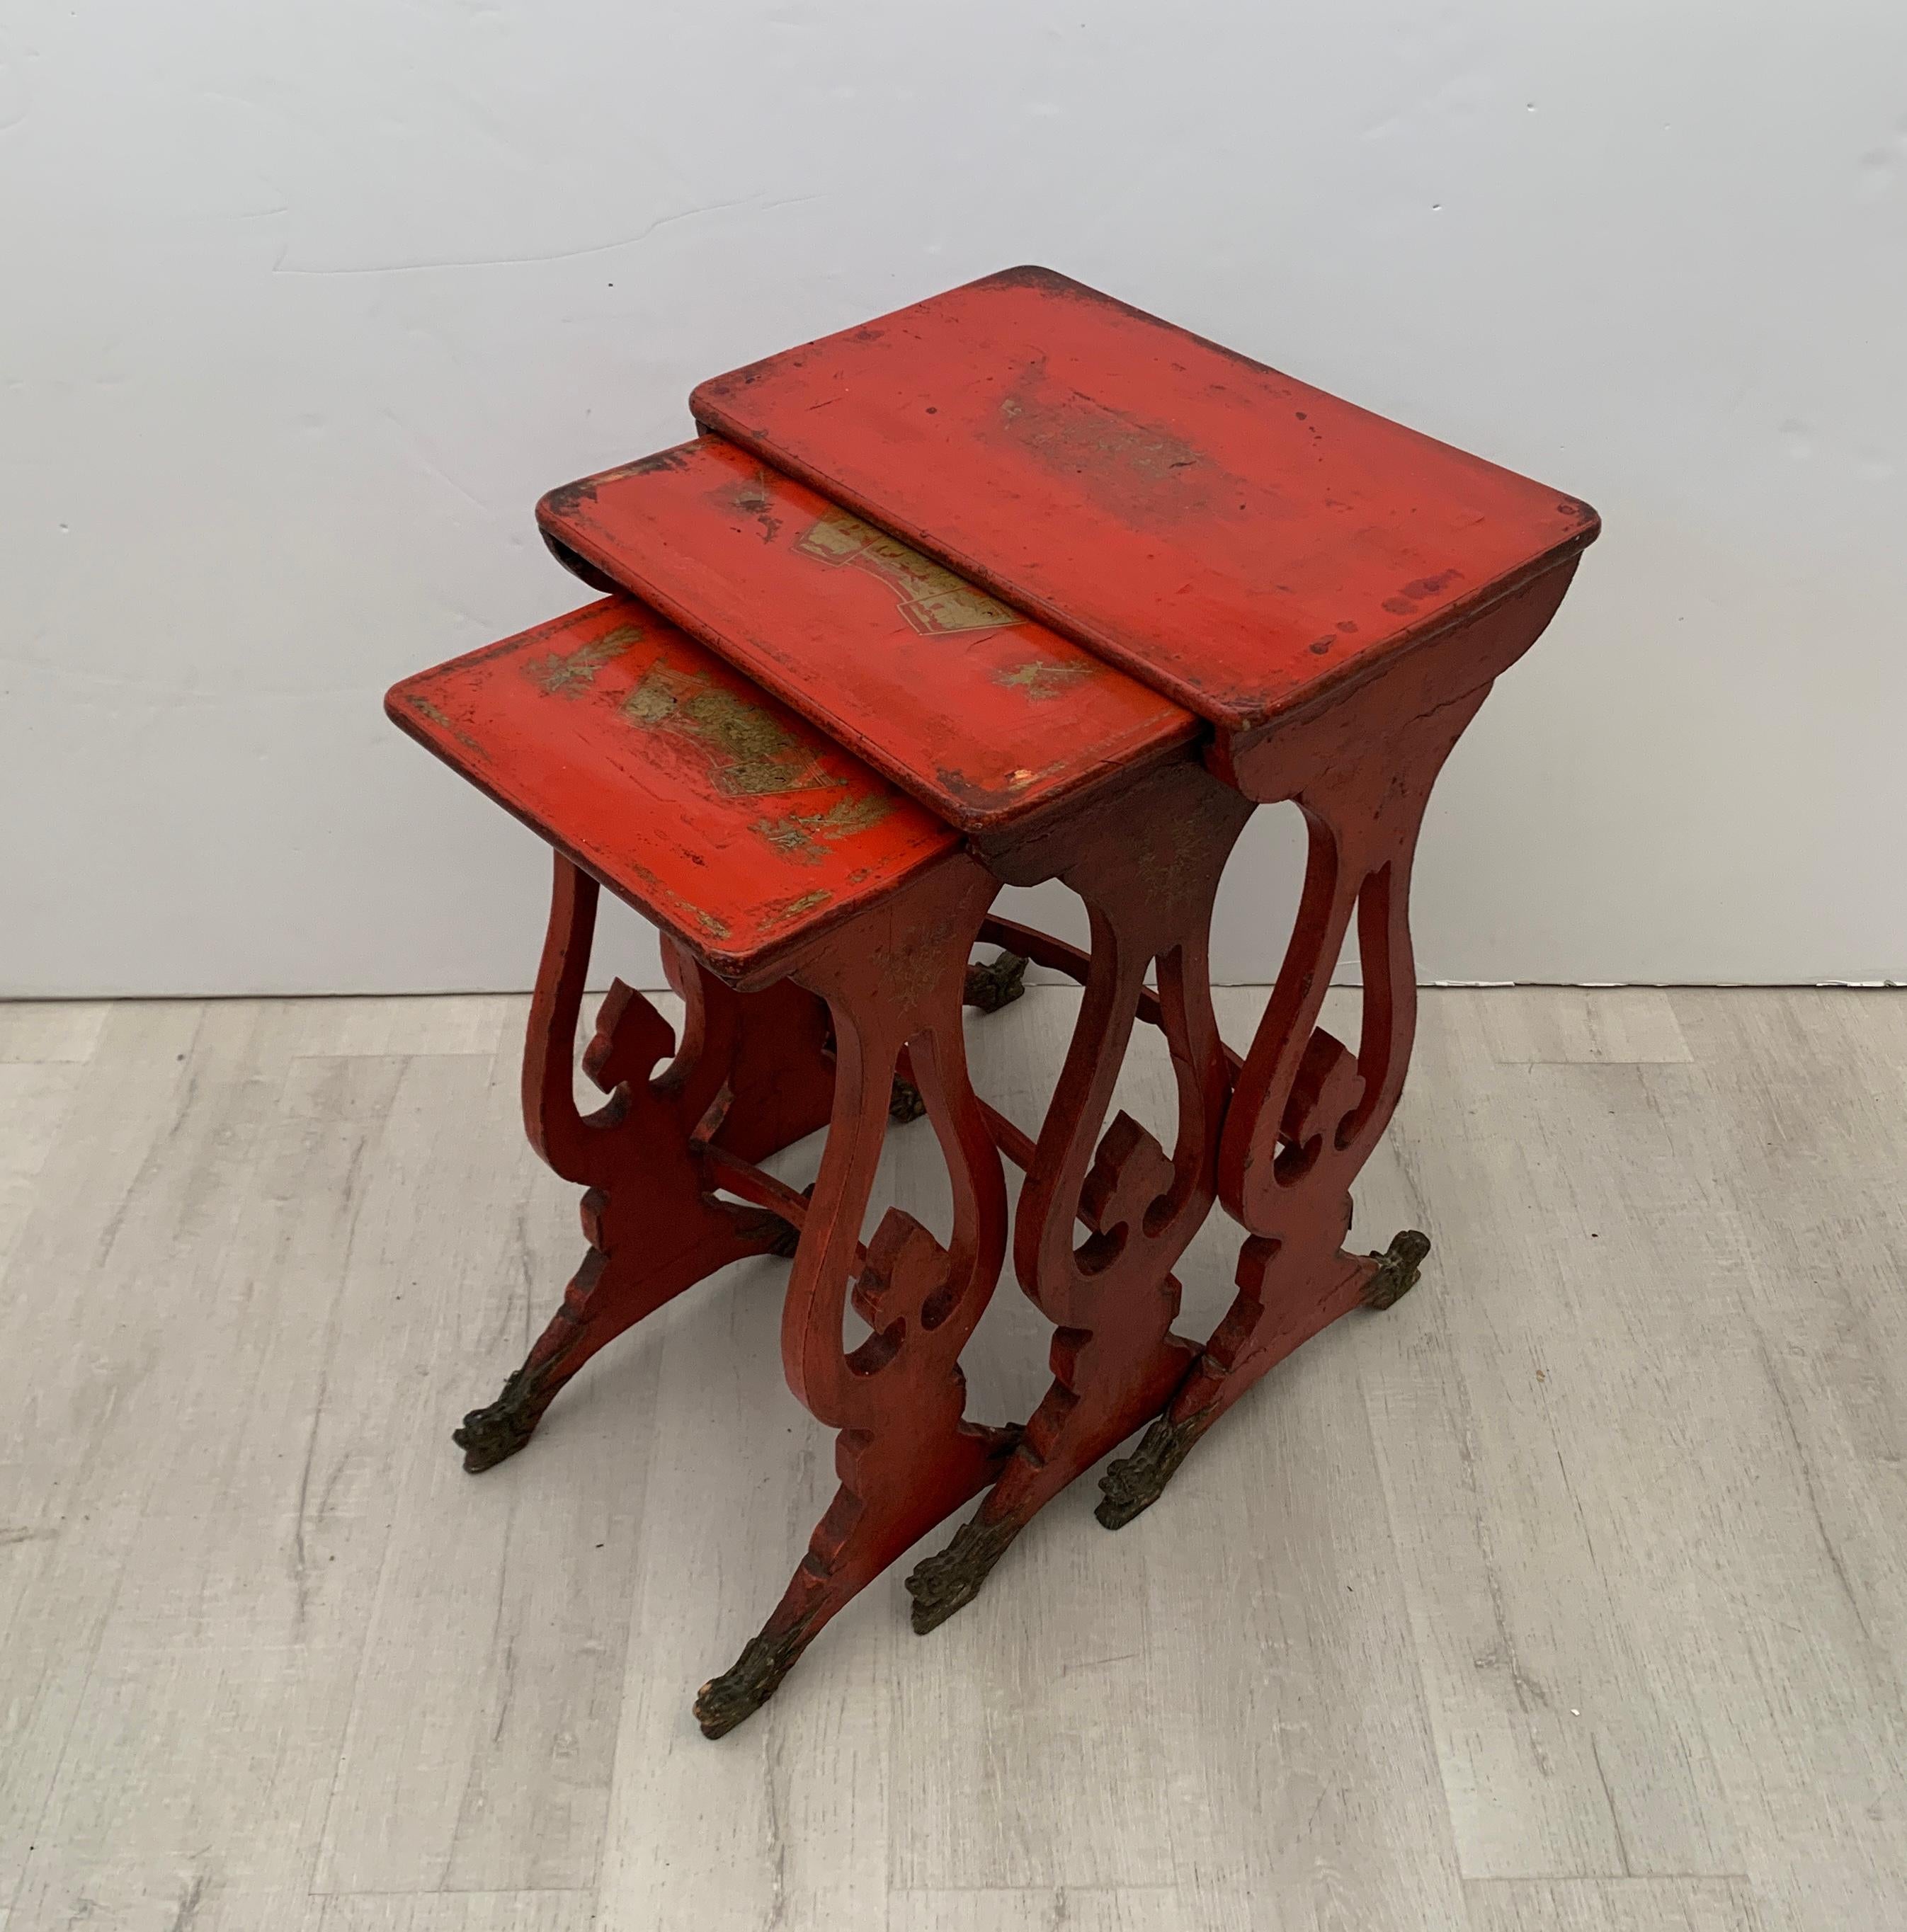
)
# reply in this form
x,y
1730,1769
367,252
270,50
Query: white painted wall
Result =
x,y
302,305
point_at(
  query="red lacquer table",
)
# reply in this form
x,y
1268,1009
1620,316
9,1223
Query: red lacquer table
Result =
x,y
1017,584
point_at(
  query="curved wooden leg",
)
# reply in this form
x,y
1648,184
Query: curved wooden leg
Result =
x,y
1306,1111
1148,884
905,1455
997,982
751,1075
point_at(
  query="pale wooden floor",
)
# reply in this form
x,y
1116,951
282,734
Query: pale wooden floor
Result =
x,y
1569,1594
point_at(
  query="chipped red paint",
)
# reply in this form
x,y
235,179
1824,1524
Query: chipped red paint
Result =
x,y
983,714
1308,1110
1238,539
776,862
1147,868
904,1453
685,789
1331,594
753,1076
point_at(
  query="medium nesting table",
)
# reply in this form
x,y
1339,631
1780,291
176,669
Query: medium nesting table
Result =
x,y
1018,584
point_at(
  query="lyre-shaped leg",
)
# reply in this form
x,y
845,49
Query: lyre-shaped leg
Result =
x,y
1149,880
1306,1112
751,1075
905,1455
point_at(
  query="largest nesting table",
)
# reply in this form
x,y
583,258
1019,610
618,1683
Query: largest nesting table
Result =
x,y
1018,584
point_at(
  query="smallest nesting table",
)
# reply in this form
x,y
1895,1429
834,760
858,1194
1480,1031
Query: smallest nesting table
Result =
x,y
1018,584
816,924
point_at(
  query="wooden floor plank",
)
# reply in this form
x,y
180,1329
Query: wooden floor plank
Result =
x,y
1052,1669
35,1031
787,1820
1059,1908
1278,1607
1561,1695
1800,1626
453,1023
787,1815
100,1300
1615,1025
34,1097
243,1586
1568,1594
1611,1905
453,1912
482,1730
1740,1693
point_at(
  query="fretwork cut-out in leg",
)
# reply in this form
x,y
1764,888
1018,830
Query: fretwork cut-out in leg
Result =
x,y
751,1075
1148,881
905,1455
1306,1111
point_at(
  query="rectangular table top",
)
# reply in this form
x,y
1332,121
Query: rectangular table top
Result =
x,y
972,706
1242,541
712,809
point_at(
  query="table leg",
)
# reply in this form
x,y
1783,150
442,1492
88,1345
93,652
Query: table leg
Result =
x,y
752,1075
989,986
1148,879
1306,1110
906,1456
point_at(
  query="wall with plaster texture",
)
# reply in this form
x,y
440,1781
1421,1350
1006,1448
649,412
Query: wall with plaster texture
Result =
x,y
304,305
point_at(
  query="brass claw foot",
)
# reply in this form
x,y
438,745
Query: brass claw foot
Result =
x,y
488,1436
997,984
1133,1483
1397,1269
950,1580
755,1676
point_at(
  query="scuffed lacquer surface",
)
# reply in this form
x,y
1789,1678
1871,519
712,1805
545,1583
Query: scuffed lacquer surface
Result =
x,y
1239,539
979,710
707,805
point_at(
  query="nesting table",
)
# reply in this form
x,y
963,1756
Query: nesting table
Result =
x,y
1020,584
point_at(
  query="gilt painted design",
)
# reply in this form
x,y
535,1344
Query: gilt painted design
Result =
x,y
934,602
752,753
570,673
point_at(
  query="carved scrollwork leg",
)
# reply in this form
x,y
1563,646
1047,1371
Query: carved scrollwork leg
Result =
x,y
1306,1111
905,1455
987,989
750,1075
1148,883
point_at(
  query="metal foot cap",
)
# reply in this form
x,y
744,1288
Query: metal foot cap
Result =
x,y
997,984
1132,1484
490,1436
1397,1269
949,1581
755,1676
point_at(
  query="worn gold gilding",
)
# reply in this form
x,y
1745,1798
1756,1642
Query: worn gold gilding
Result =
x,y
1043,680
565,674
932,600
807,835
752,755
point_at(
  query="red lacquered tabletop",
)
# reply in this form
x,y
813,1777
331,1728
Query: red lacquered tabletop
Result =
x,y
984,714
727,820
1241,541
